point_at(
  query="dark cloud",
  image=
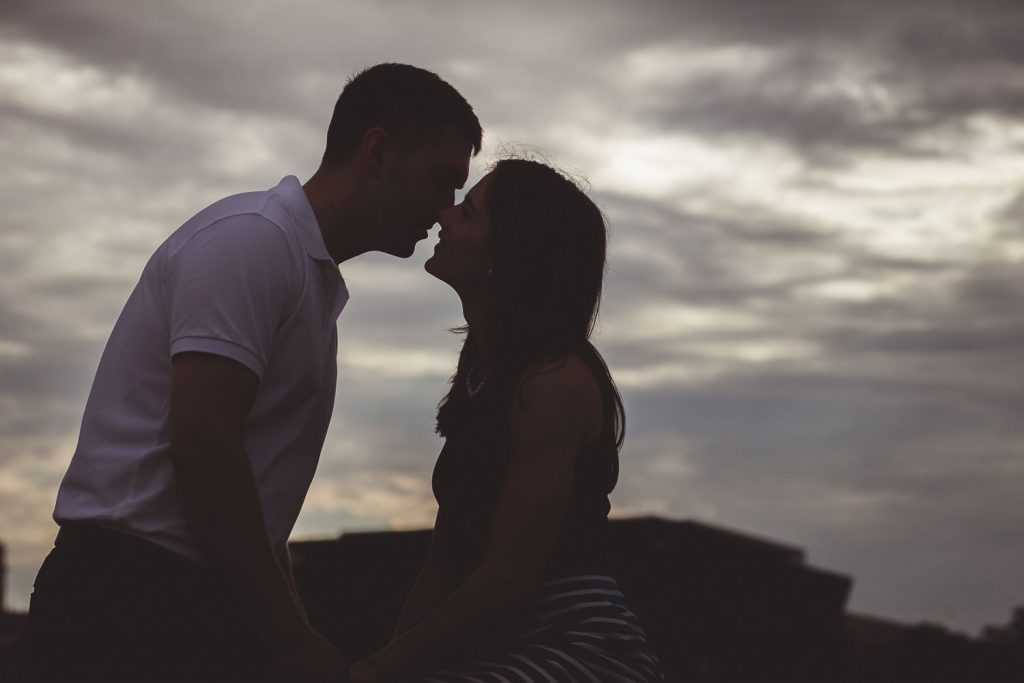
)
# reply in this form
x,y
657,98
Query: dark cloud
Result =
x,y
835,78
785,103
738,257
57,368
198,53
808,102
1009,221
994,339
949,33
994,289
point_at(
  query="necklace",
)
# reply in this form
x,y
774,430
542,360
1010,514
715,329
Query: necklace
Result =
x,y
472,389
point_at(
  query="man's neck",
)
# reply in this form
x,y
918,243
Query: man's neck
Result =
x,y
330,194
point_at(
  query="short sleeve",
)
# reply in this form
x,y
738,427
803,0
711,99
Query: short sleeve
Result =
x,y
229,288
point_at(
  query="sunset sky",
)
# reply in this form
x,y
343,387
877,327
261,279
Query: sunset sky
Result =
x,y
814,307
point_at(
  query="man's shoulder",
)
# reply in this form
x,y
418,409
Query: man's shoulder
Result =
x,y
255,207
251,218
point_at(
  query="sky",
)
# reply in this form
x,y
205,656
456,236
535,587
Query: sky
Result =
x,y
814,300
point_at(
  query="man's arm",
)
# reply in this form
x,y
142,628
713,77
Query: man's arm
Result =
x,y
285,560
211,397
431,586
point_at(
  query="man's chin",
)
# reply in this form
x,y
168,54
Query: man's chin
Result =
x,y
430,265
400,250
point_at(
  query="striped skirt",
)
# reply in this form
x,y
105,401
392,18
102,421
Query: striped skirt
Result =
x,y
578,629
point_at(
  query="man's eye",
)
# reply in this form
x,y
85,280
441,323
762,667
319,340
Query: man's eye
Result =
x,y
445,179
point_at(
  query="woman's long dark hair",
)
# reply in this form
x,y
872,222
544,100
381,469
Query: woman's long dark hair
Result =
x,y
548,243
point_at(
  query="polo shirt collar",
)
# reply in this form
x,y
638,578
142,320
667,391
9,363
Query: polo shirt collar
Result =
x,y
305,220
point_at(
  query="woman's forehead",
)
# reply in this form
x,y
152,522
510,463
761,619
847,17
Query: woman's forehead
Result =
x,y
478,193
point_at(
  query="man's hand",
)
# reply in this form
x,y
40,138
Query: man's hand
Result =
x,y
211,397
309,658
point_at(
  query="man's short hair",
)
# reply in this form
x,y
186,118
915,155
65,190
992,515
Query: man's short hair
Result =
x,y
411,104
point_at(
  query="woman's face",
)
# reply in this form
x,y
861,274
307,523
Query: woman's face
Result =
x,y
462,256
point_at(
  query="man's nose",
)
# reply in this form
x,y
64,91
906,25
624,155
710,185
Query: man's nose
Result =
x,y
444,213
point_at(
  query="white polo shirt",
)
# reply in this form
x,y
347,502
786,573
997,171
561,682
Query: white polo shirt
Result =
x,y
249,278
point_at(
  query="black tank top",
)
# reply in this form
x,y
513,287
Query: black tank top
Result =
x,y
468,477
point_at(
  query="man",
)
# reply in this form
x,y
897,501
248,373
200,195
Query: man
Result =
x,y
212,399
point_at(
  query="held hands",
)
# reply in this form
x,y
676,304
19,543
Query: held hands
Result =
x,y
364,672
309,658
375,669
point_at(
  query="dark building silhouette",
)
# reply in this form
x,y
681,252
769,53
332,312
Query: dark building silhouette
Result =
x,y
885,652
717,605
13,626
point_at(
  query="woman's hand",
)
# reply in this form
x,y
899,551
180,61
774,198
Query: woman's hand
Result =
x,y
309,658
357,673
371,670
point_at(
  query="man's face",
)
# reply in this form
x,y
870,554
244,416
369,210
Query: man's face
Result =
x,y
422,182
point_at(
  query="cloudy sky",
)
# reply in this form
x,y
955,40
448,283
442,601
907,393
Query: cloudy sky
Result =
x,y
814,303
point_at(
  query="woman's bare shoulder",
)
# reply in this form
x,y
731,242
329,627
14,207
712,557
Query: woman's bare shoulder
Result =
x,y
564,391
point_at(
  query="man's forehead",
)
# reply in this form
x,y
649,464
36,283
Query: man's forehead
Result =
x,y
451,142
453,161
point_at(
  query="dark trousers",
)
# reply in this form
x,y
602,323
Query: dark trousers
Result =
x,y
109,606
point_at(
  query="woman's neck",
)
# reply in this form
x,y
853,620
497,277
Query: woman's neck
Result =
x,y
478,319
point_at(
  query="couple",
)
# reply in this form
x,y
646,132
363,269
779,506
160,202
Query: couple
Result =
x,y
213,396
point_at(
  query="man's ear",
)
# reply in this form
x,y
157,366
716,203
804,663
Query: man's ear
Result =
x,y
375,151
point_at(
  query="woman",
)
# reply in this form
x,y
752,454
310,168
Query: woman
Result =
x,y
514,587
